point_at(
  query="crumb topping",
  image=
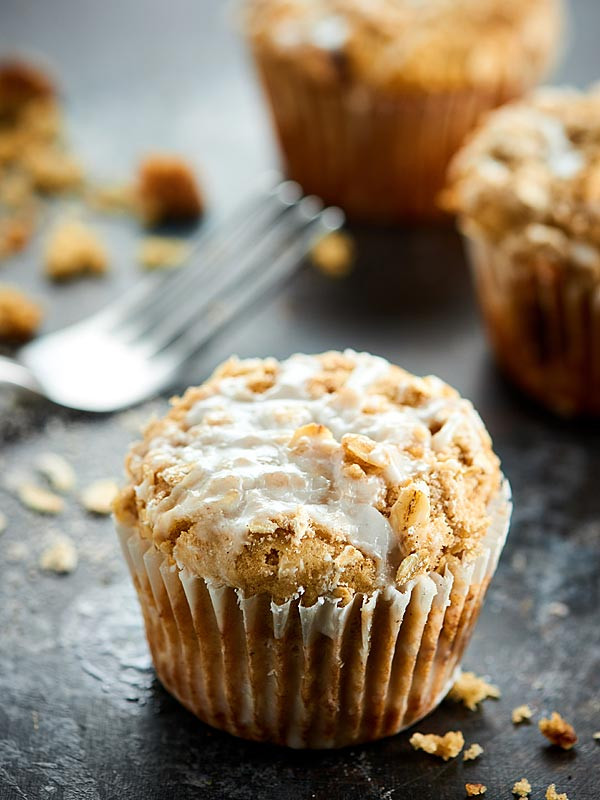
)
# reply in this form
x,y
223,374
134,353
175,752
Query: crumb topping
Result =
x,y
312,473
552,794
529,180
471,690
74,249
521,714
98,497
475,789
472,752
558,731
163,252
522,788
391,43
20,316
447,746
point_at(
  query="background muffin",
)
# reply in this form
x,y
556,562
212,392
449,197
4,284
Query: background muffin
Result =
x,y
527,190
370,100
311,542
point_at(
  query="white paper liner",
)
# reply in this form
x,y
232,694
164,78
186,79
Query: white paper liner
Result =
x,y
316,677
544,326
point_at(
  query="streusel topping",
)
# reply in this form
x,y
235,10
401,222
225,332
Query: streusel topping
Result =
x,y
431,43
334,473
530,179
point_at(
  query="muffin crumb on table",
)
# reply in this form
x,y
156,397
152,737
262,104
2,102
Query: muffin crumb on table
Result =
x,y
36,498
472,752
521,714
470,690
558,731
446,747
98,496
334,254
74,249
522,788
475,789
163,252
60,557
167,191
552,794
20,317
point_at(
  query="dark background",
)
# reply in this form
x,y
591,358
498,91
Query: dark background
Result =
x,y
81,714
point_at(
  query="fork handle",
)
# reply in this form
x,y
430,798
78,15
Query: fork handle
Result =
x,y
14,374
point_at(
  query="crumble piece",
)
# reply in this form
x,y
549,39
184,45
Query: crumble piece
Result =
x,y
168,191
73,249
447,746
334,254
41,500
472,752
558,731
163,252
20,317
475,789
15,190
20,84
3,522
60,557
14,235
557,609
51,169
57,470
471,690
596,736
522,788
112,198
98,497
521,714
552,794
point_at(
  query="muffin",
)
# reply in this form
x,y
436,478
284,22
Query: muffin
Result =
x,y
311,541
527,191
371,99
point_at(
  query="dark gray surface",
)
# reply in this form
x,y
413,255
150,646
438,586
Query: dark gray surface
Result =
x,y
81,715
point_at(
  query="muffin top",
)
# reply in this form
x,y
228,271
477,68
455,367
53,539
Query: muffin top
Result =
x,y
319,475
529,179
434,44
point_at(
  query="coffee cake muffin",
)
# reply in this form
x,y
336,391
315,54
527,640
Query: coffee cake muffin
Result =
x,y
527,191
311,541
371,99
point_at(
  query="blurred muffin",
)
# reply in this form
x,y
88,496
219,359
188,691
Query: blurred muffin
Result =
x,y
311,542
527,191
371,99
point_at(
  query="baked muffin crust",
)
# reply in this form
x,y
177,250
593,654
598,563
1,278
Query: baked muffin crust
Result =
x,y
436,44
529,180
319,475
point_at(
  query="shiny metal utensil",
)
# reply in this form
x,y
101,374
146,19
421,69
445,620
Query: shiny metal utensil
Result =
x,y
136,347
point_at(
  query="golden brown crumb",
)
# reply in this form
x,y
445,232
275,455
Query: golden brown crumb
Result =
x,y
14,235
334,254
168,191
20,84
471,690
20,317
447,746
521,714
15,190
558,731
522,788
112,198
73,249
98,497
57,470
51,169
41,500
596,736
552,794
472,752
475,789
157,252
60,557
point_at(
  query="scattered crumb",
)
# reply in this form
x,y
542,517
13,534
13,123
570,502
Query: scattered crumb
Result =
x,y
557,609
552,794
522,788
167,190
57,470
15,233
112,198
596,736
98,496
475,789
3,522
20,84
558,731
38,499
52,169
15,190
16,551
158,252
447,746
60,557
73,249
521,714
334,254
472,690
472,752
20,317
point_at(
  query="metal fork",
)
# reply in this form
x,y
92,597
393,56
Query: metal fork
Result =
x,y
137,346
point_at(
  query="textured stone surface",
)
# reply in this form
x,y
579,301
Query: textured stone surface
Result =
x,y
81,714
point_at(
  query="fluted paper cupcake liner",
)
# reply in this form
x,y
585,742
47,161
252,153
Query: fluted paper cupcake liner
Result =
x,y
544,326
380,156
323,676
